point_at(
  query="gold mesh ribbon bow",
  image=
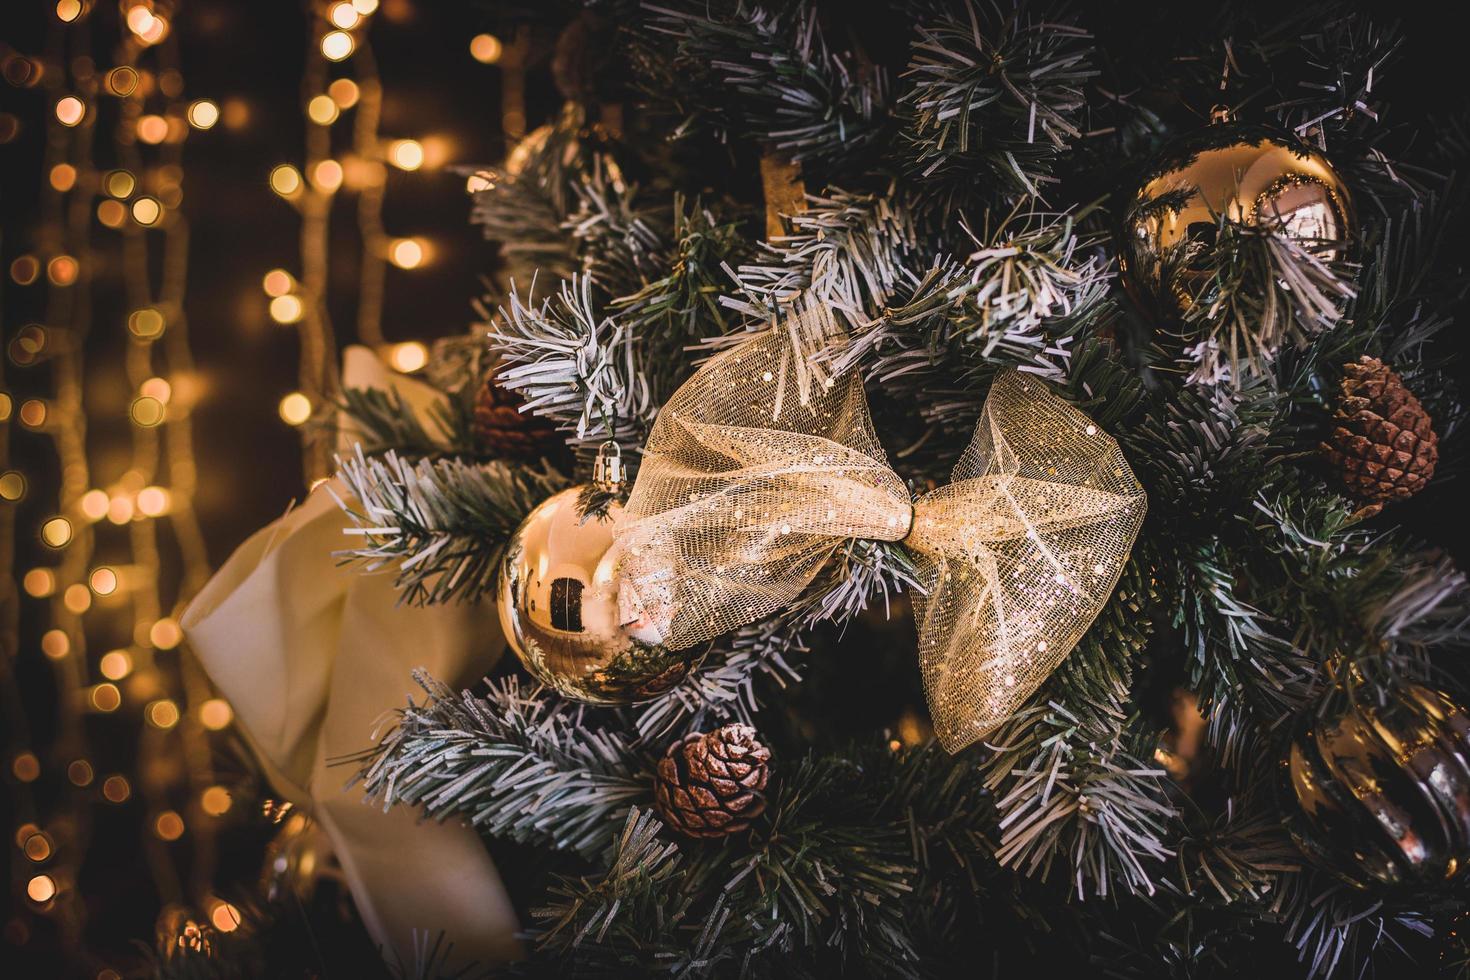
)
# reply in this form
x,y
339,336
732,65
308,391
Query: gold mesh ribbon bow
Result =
x,y
757,470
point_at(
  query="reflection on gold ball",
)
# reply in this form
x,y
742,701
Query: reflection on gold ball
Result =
x,y
1242,174
575,625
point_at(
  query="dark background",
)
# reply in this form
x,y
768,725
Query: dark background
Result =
x,y
249,461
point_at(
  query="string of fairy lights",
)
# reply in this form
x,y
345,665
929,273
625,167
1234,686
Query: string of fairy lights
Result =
x,y
110,213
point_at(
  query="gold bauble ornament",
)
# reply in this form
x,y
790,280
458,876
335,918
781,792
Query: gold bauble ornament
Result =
x,y
575,624
1245,174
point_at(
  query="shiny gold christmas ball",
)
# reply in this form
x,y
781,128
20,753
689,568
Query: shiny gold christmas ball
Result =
x,y
1241,173
575,624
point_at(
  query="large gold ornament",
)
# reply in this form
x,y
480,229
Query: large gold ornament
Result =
x,y
572,622
1243,174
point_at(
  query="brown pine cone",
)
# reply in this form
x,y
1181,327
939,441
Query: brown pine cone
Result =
x,y
710,785
1383,446
503,432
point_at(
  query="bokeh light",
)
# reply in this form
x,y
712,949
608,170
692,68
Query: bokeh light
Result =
x,y
486,48
295,408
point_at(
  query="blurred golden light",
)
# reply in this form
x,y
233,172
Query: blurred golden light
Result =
x,y
62,270
26,268
68,10
112,213
6,405
225,917
277,282
146,411
80,772
41,889
322,110
116,789
94,504
344,92
115,664
163,714
119,183
146,323
77,598
480,180
103,581
12,485
486,48
406,154
70,110
33,413
286,180
215,801
27,767
327,176
156,388
120,509
295,408
337,45
165,634
203,114
409,356
55,644
365,7
147,211
406,253
154,501
39,583
344,15
169,826
63,178
152,129
149,27
287,309
215,714
56,532
122,80
106,698
37,847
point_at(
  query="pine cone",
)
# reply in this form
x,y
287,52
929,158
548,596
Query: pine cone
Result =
x,y
502,431
710,785
1383,446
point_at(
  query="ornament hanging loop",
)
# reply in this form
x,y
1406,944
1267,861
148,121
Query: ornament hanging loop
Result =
x,y
607,470
1221,114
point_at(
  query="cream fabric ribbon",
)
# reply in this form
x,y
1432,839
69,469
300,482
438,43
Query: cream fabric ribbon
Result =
x,y
310,656
758,468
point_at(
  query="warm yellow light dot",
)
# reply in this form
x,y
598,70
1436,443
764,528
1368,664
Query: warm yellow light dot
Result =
x,y
93,504
111,213
119,183
63,270
344,92
203,114
287,309
41,889
70,110
6,405
33,413
365,7
326,176
408,357
77,598
56,532
106,698
295,408
26,767
406,253
116,664
163,714
486,48
55,644
147,211
322,110
122,80
154,501
215,800
406,154
25,270
63,177
277,282
144,23
225,917
169,825
215,714
157,388
80,772
12,485
480,180
120,509
146,411
146,324
39,583
68,10
37,847
337,45
152,129
286,180
116,789
165,634
103,581
344,15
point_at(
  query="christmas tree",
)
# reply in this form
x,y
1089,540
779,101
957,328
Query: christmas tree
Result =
x,y
1220,734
